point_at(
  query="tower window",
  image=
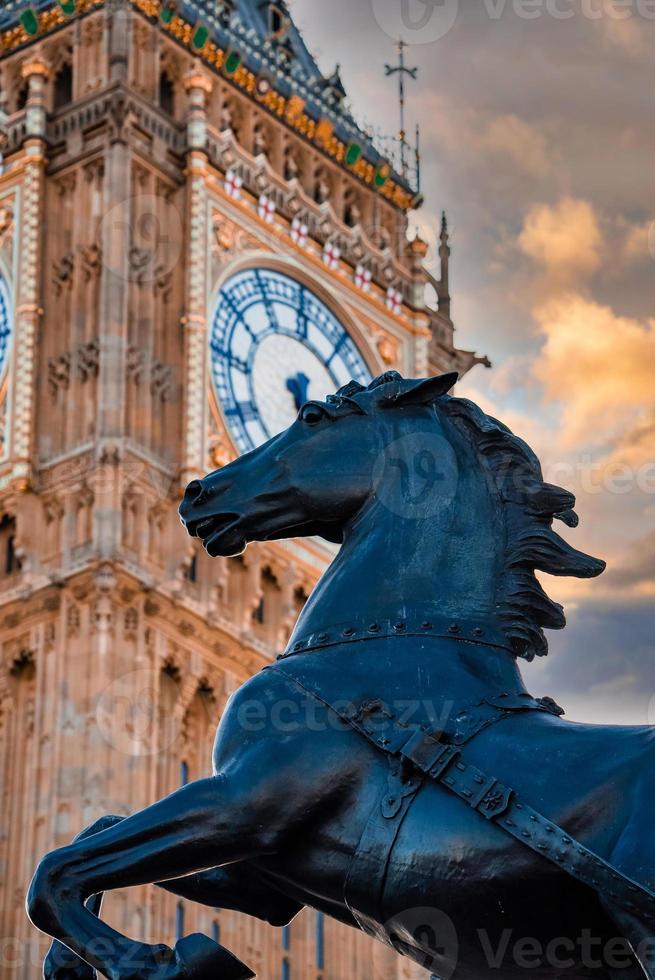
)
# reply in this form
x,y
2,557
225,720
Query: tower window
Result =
x,y
8,556
184,773
224,11
320,941
179,921
277,22
258,613
63,87
216,931
166,94
286,969
192,570
21,98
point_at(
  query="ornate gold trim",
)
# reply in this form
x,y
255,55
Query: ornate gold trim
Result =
x,y
182,31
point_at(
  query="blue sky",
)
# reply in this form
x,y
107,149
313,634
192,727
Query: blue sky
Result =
x,y
538,132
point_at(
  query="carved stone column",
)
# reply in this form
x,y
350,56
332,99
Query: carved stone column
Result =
x,y
417,251
114,293
29,311
198,86
288,583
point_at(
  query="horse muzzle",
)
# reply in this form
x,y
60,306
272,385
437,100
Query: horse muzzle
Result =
x,y
217,529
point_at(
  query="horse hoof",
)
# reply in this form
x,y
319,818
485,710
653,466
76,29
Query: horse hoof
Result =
x,y
62,964
200,958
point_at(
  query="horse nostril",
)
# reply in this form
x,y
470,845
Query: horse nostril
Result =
x,y
193,492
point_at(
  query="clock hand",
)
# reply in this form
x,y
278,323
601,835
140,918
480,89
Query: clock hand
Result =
x,y
298,385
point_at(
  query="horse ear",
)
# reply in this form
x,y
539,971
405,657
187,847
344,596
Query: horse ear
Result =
x,y
427,391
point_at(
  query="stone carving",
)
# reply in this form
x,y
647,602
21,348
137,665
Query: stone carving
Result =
x,y
229,119
6,223
84,362
66,185
161,376
322,189
164,283
232,240
59,373
118,116
131,623
91,261
92,32
260,140
161,383
291,165
136,361
73,619
88,359
140,264
62,273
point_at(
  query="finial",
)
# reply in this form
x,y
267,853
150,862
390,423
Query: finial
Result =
x,y
444,225
417,247
403,72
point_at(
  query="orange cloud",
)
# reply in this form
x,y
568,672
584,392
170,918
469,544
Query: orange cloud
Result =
x,y
519,142
599,366
565,240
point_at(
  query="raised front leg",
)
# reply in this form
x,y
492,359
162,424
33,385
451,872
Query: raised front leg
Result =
x,y
200,826
237,887
61,963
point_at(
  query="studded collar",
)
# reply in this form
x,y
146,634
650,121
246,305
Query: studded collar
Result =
x,y
428,626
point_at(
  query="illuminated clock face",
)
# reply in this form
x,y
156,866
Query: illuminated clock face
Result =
x,y
5,325
273,346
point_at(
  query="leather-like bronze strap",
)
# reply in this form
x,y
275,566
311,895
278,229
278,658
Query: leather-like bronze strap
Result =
x,y
492,799
363,889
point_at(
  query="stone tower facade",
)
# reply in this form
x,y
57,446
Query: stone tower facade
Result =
x,y
151,153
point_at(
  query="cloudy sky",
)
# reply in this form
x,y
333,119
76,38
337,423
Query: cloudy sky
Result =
x,y
538,130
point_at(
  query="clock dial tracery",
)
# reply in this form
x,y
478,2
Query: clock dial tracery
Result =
x,y
273,345
5,326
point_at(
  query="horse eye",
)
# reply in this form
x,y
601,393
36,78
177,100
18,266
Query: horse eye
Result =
x,y
311,414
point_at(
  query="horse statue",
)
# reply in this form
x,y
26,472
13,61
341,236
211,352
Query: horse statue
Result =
x,y
412,787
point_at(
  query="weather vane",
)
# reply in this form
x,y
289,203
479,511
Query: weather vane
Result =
x,y
401,70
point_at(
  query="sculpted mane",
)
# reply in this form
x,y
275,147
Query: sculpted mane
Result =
x,y
529,508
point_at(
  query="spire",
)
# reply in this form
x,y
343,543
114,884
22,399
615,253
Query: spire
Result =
x,y
443,291
333,86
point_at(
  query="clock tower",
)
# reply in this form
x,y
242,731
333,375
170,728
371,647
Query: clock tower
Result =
x,y
195,237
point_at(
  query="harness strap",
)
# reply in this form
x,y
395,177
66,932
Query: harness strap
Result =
x,y
363,889
492,799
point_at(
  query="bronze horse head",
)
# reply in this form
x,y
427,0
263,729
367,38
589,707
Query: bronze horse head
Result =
x,y
431,498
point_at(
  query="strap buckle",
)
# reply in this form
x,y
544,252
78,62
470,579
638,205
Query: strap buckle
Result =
x,y
427,754
492,799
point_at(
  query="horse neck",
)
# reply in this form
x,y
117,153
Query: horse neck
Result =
x,y
386,573
442,563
